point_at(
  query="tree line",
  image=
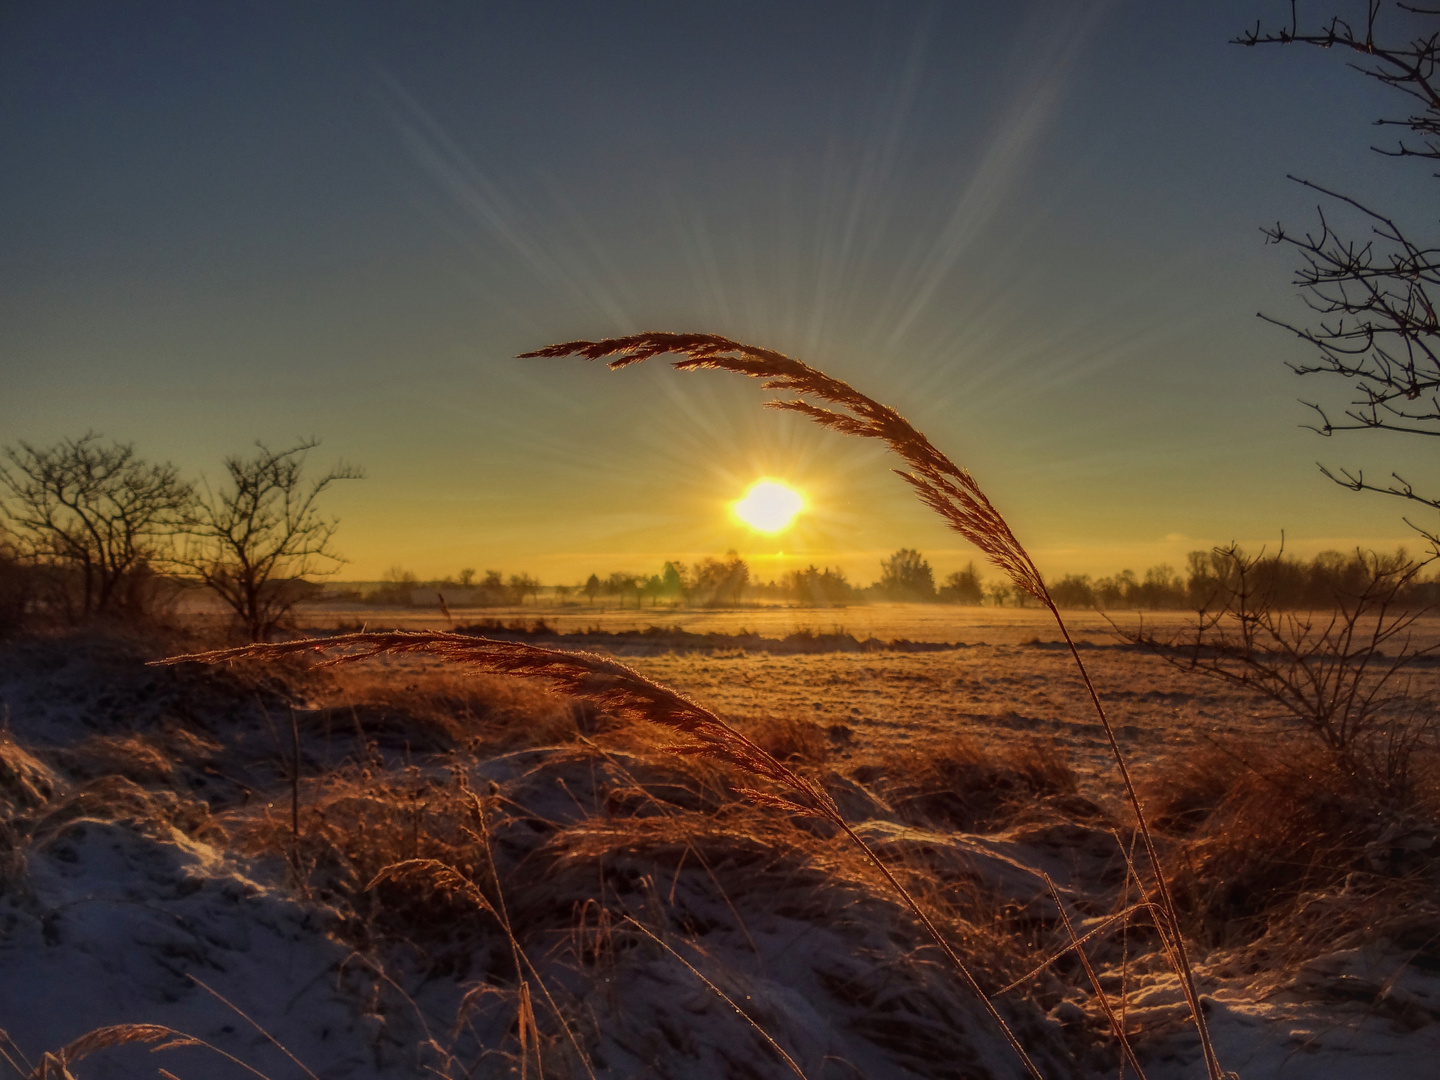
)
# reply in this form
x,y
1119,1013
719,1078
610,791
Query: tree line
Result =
x,y
91,530
1321,582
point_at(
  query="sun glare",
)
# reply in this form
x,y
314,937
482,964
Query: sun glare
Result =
x,y
769,506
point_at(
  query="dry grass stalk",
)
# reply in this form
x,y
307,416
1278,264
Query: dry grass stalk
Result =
x,y
442,876
795,1068
941,484
55,1065
630,695
1105,926
1116,1024
252,1022
13,1061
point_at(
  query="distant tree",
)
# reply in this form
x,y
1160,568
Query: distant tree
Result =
x,y
998,592
820,587
466,578
562,593
521,586
256,539
1329,581
676,581
592,588
397,588
963,587
1117,591
99,515
906,576
1161,588
1073,591
653,587
1378,330
721,582
621,585
491,590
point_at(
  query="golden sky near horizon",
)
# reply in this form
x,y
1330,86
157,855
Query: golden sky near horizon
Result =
x,y
1033,229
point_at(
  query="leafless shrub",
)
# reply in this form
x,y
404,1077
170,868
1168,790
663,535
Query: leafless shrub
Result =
x,y
1343,673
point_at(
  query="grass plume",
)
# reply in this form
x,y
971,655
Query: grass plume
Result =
x,y
942,485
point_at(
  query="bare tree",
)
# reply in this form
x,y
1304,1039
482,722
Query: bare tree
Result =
x,y
99,515
256,540
1377,328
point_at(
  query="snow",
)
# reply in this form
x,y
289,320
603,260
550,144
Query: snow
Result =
x,y
112,911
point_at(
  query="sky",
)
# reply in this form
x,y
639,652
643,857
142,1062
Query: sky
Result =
x,y
1033,228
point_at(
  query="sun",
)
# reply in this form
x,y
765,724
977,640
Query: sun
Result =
x,y
769,506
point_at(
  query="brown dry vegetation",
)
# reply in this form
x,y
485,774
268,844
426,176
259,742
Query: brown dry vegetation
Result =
x,y
483,794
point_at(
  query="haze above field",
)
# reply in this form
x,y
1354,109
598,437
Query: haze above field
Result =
x,y
1032,228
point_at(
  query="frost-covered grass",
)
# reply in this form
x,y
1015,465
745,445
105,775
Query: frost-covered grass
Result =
x,y
565,895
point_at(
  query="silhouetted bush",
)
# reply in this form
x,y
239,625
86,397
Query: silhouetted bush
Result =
x,y
906,576
963,587
819,587
1073,591
721,583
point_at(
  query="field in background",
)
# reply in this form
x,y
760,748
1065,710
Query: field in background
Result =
x,y
1012,682
887,622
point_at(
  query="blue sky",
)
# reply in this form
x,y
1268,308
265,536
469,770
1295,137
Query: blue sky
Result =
x,y
1033,228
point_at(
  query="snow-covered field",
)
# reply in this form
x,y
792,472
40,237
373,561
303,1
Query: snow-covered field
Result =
x,y
659,923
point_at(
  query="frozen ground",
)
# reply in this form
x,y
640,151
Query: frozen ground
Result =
x,y
123,898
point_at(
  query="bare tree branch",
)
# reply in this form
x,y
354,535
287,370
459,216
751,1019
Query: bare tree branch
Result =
x,y
99,514
255,541
1374,291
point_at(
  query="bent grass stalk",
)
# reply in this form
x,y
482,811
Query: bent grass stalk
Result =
x,y
55,1064
943,486
769,1040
